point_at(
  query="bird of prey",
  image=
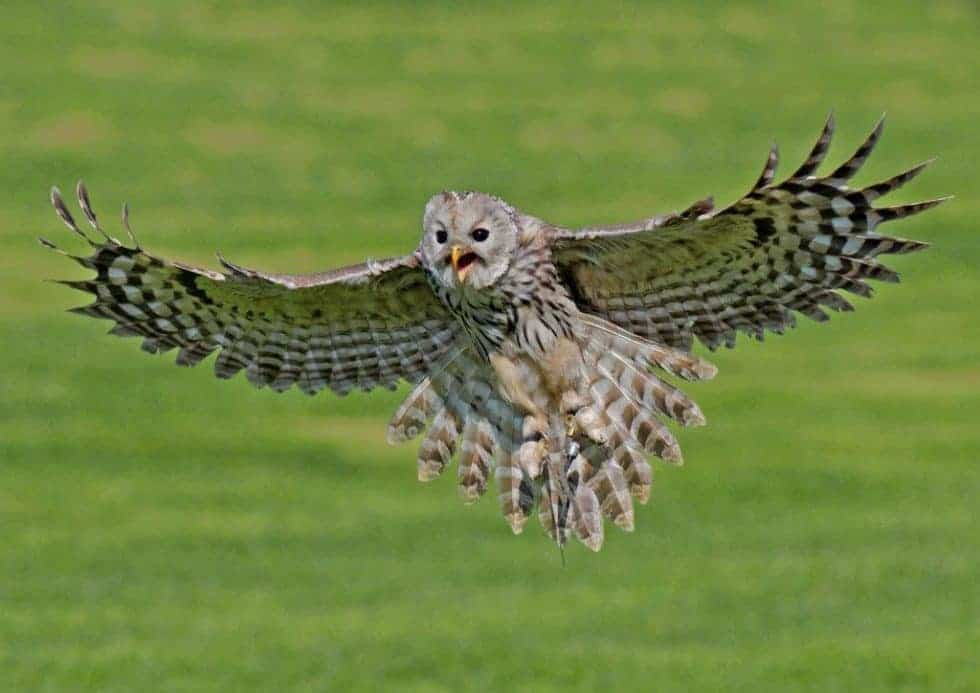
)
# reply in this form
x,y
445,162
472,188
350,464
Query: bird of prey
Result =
x,y
535,353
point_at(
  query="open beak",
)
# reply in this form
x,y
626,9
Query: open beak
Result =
x,y
462,262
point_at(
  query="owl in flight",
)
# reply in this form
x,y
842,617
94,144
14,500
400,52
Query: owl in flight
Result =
x,y
535,353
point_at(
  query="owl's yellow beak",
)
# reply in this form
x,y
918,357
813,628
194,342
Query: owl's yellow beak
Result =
x,y
462,262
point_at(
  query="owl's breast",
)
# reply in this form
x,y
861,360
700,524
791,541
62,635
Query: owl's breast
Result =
x,y
527,312
544,312
487,317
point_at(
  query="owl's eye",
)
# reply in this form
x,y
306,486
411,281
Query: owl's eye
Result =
x,y
441,236
480,235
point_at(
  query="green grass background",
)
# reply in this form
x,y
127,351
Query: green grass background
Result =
x,y
161,530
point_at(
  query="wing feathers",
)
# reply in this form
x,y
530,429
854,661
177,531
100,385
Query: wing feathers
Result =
x,y
873,192
846,170
783,248
819,151
58,202
769,170
362,326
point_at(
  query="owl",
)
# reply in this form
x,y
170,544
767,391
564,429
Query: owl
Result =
x,y
538,356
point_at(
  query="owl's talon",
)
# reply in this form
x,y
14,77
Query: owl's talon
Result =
x,y
570,428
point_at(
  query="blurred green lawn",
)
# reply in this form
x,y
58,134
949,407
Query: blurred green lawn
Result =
x,y
162,530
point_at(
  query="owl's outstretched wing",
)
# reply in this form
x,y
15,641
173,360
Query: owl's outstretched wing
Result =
x,y
362,326
783,248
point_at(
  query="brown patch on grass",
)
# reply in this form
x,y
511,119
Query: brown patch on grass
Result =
x,y
230,139
129,62
745,23
113,62
557,134
227,139
70,131
684,101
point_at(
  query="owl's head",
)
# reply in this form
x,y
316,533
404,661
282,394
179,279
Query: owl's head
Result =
x,y
468,239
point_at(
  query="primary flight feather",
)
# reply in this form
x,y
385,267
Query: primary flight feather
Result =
x,y
534,350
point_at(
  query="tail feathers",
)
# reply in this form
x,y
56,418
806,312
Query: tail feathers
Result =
x,y
415,412
609,484
647,391
554,511
438,446
551,506
555,508
600,489
516,492
586,461
636,470
586,504
634,423
639,474
476,455
587,516
603,337
546,514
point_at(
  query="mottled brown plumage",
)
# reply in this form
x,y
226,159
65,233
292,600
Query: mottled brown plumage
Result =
x,y
534,350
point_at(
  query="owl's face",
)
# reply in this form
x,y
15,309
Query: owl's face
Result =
x,y
468,240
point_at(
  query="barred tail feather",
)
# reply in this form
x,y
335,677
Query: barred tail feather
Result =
x,y
556,511
414,413
476,454
610,487
438,446
516,491
601,336
588,517
638,472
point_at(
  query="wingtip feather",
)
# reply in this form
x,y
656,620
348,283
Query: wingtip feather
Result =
x,y
61,209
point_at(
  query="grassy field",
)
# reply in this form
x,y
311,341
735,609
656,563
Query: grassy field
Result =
x,y
161,530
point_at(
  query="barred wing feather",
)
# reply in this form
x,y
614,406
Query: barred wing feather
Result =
x,y
782,249
362,326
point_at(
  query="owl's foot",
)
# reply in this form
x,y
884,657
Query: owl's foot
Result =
x,y
591,424
571,428
532,454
